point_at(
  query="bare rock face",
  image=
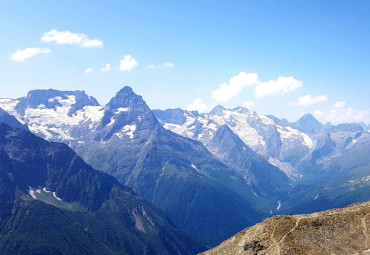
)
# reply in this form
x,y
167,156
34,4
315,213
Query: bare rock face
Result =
x,y
337,231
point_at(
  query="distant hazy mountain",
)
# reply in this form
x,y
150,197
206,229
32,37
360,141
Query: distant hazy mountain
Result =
x,y
339,231
52,202
282,145
329,165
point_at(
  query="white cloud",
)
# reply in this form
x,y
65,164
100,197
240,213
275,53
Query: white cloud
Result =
x,y
106,68
127,63
249,104
280,86
22,55
227,91
89,70
66,37
341,114
197,105
164,65
168,65
339,104
308,100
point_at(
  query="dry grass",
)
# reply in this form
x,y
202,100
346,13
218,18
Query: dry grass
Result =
x,y
337,231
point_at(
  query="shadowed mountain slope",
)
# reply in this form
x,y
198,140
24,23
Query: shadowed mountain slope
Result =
x,y
52,202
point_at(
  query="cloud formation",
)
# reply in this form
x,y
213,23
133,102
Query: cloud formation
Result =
x,y
66,37
280,86
339,113
308,100
197,105
164,65
339,104
227,91
22,55
89,70
127,63
106,68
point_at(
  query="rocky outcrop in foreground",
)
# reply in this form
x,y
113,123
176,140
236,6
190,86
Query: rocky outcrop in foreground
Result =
x,y
337,231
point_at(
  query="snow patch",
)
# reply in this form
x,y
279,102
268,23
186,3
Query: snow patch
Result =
x,y
307,141
278,206
55,195
122,109
8,104
193,166
45,190
212,126
294,134
32,193
128,130
112,120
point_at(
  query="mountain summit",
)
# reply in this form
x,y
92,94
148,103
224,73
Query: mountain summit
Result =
x,y
308,124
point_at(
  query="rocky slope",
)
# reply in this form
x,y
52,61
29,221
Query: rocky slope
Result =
x,y
337,231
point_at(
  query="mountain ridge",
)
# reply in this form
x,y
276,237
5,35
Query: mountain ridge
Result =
x,y
317,233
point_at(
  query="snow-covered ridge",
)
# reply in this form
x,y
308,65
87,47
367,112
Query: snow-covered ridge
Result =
x,y
253,129
74,119
56,123
261,133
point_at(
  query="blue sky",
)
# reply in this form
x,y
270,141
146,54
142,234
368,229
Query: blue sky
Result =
x,y
185,53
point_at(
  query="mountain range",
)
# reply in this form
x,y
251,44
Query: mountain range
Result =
x,y
214,173
328,166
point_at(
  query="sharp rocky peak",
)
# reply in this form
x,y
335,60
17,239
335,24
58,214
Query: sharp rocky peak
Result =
x,y
308,124
127,98
127,107
308,117
218,110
